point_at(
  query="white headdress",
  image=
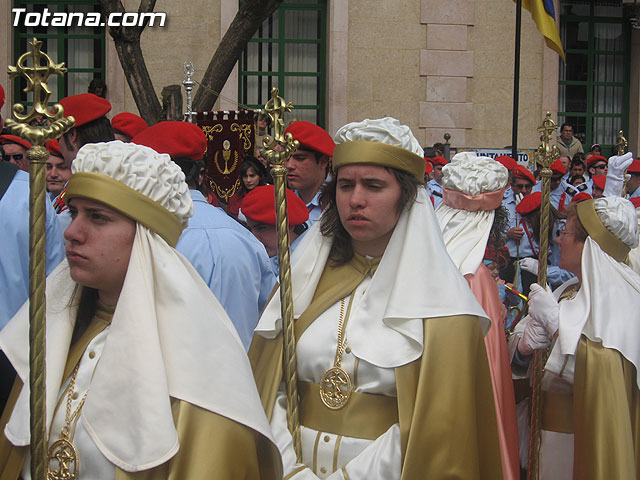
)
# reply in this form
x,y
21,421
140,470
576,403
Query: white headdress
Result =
x,y
168,337
473,188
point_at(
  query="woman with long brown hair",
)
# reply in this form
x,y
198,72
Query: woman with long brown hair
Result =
x,y
392,368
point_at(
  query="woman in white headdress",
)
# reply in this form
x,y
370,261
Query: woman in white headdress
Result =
x,y
392,368
473,189
146,375
591,324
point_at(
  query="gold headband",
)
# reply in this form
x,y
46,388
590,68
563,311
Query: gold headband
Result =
x,y
127,201
376,153
607,241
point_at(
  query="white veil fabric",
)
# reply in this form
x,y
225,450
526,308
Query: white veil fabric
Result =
x,y
466,219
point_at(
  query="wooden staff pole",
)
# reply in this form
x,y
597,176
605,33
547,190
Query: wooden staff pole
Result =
x,y
545,156
36,67
278,149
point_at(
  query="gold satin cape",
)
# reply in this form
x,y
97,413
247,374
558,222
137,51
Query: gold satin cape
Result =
x,y
445,399
606,414
211,446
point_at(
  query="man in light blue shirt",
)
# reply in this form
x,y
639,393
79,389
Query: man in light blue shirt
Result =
x,y
558,195
434,184
633,184
229,259
258,206
14,252
308,167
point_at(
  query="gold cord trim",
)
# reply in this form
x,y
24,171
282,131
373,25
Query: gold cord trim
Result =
x,y
336,451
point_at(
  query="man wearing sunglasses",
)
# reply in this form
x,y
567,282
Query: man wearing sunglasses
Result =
x,y
596,165
15,151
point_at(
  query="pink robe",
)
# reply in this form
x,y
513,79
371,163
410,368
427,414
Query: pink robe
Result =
x,y
485,289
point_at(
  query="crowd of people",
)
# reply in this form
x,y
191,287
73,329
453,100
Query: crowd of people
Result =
x,y
415,296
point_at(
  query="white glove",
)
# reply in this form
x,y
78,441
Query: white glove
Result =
x,y
529,265
544,308
533,338
615,174
544,312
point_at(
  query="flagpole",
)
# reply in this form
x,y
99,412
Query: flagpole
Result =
x,y
516,82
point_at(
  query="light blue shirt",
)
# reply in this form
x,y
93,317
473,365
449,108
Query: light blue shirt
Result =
x,y
231,261
436,192
14,250
509,203
556,196
315,209
556,276
634,194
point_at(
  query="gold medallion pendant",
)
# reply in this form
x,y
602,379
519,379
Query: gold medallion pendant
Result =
x,y
63,461
63,457
335,388
336,385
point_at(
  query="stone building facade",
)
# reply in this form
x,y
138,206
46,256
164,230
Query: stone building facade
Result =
x,y
436,66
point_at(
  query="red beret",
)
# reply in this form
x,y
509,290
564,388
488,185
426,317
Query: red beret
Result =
x,y
428,168
579,197
596,158
529,203
312,136
259,206
508,162
599,181
1,96
634,167
520,171
53,147
558,168
128,124
85,107
4,139
438,160
635,201
178,139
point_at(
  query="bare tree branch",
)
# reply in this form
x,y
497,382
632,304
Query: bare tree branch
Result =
x,y
250,16
127,42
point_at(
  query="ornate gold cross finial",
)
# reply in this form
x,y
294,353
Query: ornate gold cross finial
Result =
x,y
276,107
277,149
37,75
621,144
547,153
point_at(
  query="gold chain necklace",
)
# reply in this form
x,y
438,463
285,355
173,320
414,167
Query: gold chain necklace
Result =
x,y
64,461
335,385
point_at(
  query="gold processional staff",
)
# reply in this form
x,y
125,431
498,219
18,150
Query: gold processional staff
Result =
x,y
277,150
36,67
545,156
621,147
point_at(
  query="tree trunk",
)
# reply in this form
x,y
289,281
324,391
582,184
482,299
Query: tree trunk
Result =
x,y
127,42
250,16
139,81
